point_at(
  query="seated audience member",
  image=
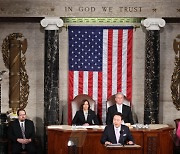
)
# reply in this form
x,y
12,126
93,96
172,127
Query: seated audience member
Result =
x,y
178,131
116,133
85,116
119,107
22,132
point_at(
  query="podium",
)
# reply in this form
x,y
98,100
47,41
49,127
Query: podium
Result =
x,y
87,141
120,149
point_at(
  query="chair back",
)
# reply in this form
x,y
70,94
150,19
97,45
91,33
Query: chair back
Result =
x,y
77,101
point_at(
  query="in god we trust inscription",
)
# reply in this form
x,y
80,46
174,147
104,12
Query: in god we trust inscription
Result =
x,y
91,9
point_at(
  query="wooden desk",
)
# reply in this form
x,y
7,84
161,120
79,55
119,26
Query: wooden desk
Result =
x,y
156,141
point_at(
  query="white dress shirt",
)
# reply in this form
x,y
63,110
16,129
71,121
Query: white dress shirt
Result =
x,y
119,108
22,124
85,115
117,133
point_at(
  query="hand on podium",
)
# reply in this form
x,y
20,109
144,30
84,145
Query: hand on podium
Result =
x,y
107,143
130,143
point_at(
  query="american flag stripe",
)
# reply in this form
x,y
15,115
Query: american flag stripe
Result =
x,y
114,62
85,83
105,64
95,89
105,74
119,68
116,73
110,41
124,62
90,84
100,98
129,65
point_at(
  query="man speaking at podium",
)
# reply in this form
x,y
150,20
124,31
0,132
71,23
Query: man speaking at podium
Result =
x,y
116,133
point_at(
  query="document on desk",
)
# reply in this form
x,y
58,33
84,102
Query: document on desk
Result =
x,y
88,127
120,145
114,145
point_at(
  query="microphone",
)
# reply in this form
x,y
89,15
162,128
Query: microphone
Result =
x,y
122,133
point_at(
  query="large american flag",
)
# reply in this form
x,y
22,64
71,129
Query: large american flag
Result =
x,y
100,64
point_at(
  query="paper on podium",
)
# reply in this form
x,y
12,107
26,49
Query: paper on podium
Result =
x,y
64,127
88,127
120,145
114,145
158,126
54,127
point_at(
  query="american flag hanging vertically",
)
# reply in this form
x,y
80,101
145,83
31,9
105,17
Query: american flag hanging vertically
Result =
x,y
100,64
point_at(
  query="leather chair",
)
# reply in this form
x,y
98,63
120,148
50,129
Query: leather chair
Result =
x,y
77,101
111,101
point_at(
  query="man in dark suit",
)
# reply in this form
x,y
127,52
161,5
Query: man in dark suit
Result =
x,y
116,133
85,116
119,107
22,132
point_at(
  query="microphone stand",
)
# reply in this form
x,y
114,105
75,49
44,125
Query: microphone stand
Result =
x,y
121,133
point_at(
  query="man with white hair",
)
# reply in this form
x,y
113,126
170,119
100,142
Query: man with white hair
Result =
x,y
119,107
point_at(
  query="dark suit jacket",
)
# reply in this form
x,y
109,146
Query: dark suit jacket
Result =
x,y
109,135
14,132
79,118
126,111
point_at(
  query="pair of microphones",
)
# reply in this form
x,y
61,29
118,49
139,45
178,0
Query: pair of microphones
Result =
x,y
122,136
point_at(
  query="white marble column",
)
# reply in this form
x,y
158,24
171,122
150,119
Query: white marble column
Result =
x,y
152,69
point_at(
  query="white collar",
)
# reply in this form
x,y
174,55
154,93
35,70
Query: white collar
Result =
x,y
21,122
119,128
119,104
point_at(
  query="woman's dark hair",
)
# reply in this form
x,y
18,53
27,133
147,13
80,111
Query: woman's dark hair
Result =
x,y
83,101
20,110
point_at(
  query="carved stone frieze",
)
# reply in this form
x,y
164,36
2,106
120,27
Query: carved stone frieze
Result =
x,y
76,8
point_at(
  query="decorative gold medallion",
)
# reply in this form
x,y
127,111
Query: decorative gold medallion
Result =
x,y
175,81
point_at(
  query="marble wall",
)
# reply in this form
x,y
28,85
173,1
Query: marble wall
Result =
x,y
35,69
167,59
